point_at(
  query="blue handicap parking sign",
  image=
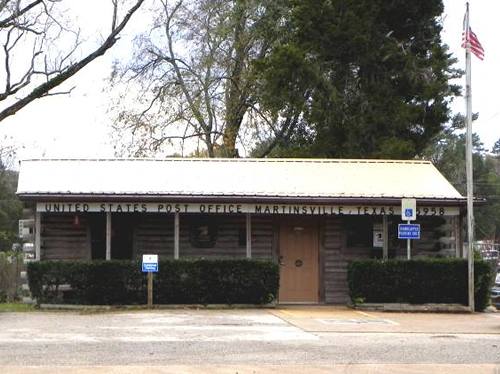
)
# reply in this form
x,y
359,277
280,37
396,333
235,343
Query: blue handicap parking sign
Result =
x,y
408,231
408,212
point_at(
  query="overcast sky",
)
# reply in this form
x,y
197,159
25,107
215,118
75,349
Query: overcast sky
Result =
x,y
77,125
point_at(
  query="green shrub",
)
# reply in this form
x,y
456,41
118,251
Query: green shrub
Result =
x,y
217,282
178,282
45,278
442,280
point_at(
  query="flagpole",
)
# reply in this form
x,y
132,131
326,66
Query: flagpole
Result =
x,y
468,159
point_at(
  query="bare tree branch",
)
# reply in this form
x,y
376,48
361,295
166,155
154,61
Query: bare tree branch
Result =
x,y
199,55
67,92
15,15
115,11
288,125
43,89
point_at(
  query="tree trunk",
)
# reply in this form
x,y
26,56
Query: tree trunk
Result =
x,y
235,93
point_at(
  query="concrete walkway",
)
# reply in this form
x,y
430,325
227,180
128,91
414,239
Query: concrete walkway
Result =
x,y
343,319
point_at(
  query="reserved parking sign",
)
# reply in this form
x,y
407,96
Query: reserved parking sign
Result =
x,y
150,263
408,231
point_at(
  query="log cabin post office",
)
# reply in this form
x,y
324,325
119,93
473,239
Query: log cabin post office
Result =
x,y
312,216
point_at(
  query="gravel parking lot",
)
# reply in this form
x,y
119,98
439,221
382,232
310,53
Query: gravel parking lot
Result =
x,y
317,337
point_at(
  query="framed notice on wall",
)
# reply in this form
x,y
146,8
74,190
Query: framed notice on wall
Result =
x,y
378,239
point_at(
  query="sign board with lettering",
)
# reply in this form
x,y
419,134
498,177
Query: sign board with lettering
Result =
x,y
408,231
150,263
236,208
408,209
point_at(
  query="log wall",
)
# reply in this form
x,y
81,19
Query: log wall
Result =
x,y
154,233
336,257
227,243
62,239
439,237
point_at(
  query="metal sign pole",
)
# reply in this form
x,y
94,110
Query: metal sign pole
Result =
x,y
408,247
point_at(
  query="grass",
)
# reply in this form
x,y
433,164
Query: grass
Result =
x,y
16,307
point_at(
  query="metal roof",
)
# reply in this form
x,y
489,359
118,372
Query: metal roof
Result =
x,y
292,178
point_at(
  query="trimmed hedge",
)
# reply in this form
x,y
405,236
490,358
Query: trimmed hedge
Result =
x,y
440,280
200,281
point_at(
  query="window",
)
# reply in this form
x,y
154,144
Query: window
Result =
x,y
359,231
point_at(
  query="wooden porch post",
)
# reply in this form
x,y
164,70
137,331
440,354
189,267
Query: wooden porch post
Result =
x,y
38,226
385,237
176,235
108,236
249,234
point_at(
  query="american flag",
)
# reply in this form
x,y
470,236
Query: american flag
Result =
x,y
471,42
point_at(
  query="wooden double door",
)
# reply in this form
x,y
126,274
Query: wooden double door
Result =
x,y
299,263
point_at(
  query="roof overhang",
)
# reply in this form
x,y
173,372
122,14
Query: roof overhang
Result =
x,y
234,199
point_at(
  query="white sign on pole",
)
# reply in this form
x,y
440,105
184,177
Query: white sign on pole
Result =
x,y
150,263
408,209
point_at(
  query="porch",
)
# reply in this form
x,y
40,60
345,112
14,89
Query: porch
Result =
x,y
313,251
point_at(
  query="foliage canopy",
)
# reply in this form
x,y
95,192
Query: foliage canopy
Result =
x,y
370,78
328,78
447,152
